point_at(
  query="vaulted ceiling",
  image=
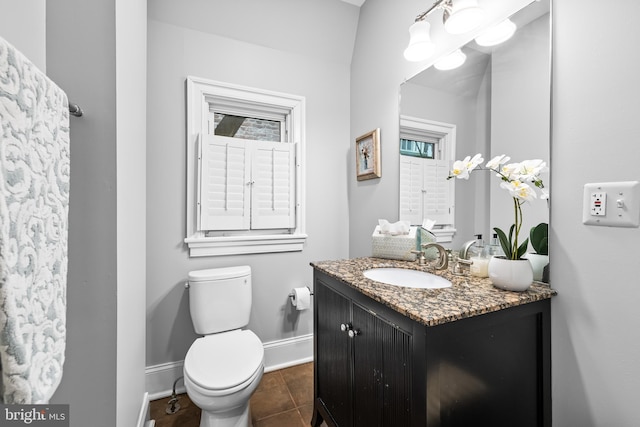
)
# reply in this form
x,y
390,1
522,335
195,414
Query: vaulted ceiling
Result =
x,y
325,29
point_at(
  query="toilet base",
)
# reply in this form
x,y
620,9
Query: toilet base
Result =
x,y
236,417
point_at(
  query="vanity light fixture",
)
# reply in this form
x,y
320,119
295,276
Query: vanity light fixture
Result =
x,y
462,16
420,45
459,16
451,61
497,34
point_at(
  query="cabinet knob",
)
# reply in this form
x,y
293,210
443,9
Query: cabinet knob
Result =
x,y
344,327
353,333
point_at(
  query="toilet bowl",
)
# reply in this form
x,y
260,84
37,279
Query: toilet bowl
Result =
x,y
221,372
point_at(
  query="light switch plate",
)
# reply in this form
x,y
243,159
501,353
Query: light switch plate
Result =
x,y
612,204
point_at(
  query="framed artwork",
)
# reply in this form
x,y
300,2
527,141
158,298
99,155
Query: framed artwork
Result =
x,y
368,155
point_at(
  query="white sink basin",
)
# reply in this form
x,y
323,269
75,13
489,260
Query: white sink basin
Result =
x,y
407,278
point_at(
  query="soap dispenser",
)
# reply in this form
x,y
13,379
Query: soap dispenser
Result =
x,y
494,247
480,259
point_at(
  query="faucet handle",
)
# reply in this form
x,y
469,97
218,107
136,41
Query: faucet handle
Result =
x,y
463,266
420,259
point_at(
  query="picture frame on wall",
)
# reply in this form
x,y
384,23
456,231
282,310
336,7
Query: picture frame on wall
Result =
x,y
368,155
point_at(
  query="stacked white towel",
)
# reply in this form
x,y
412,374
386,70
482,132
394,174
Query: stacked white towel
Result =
x,y
34,205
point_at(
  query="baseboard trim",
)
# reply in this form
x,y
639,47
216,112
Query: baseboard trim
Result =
x,y
288,352
159,379
144,416
277,355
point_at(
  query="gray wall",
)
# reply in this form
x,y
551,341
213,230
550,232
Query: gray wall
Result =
x,y
595,129
290,51
595,348
85,69
97,56
22,23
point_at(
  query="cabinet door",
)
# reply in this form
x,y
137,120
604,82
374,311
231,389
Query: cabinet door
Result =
x,y
382,380
333,354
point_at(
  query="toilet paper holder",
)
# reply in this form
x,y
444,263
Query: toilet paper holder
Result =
x,y
291,295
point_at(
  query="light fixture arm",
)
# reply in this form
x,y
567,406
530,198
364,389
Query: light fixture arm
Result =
x,y
440,4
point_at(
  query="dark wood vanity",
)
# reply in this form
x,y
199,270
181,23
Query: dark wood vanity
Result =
x,y
390,356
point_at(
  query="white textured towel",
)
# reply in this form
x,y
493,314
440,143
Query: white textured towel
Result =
x,y
34,206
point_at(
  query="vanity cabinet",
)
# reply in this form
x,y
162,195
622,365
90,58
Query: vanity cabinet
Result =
x,y
363,362
376,367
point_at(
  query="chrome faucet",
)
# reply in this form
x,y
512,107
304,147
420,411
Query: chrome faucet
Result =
x,y
464,252
443,259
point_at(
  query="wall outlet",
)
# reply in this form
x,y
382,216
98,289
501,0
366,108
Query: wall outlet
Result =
x,y
598,203
612,204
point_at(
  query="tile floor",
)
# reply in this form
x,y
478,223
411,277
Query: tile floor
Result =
x,y
284,398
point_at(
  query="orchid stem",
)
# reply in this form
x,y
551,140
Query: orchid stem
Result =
x,y
514,248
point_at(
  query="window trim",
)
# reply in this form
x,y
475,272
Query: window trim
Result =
x,y
200,93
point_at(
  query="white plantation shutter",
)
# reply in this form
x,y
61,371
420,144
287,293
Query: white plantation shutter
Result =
x,y
246,184
411,186
437,202
273,192
425,191
224,193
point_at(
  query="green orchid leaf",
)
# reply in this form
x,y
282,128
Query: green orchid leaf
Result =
x,y
523,248
544,246
504,242
539,237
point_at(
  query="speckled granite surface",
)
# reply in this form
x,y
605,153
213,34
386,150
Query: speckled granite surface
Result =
x,y
468,296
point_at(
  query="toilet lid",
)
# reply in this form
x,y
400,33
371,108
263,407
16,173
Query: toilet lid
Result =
x,y
224,360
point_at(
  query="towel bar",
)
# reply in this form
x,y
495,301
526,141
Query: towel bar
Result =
x,y
75,110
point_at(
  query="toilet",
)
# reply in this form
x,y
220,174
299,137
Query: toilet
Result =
x,y
222,368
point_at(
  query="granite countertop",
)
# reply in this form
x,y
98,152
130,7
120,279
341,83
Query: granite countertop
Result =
x,y
467,297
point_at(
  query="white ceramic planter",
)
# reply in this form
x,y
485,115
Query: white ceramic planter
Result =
x,y
510,275
538,262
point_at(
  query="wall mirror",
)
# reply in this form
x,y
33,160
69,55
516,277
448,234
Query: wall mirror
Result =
x,y
497,102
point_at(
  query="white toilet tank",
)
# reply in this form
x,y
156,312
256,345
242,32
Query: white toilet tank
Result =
x,y
220,299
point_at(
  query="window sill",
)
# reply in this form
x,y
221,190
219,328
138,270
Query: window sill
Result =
x,y
444,235
200,246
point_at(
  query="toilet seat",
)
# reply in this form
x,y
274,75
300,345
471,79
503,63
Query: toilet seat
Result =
x,y
224,361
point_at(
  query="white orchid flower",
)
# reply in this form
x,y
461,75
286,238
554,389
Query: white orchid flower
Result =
x,y
510,171
531,169
473,163
460,169
519,190
495,163
516,179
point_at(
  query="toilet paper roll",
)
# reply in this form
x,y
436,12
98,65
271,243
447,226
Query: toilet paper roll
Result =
x,y
301,299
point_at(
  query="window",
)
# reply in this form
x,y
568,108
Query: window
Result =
x,y
245,188
427,149
423,149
